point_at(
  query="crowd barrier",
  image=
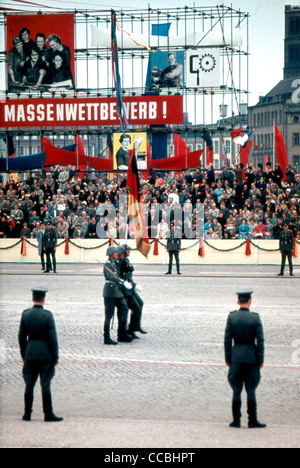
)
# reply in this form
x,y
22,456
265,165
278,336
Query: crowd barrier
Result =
x,y
193,252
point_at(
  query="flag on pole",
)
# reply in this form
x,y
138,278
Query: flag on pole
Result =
x,y
282,158
161,29
79,152
246,149
209,147
135,208
10,146
116,73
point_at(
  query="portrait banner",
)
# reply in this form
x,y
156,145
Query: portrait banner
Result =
x,y
40,51
123,145
165,70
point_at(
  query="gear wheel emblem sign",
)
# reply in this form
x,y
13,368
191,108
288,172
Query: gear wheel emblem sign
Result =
x,y
207,63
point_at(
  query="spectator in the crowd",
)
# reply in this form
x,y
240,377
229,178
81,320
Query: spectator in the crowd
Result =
x,y
258,203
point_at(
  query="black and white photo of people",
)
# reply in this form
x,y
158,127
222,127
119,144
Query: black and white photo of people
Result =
x,y
39,63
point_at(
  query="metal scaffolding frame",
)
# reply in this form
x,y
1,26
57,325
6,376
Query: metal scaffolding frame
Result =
x,y
93,76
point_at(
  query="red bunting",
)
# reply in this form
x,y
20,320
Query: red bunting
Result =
x,y
155,250
248,248
23,246
295,249
67,246
201,249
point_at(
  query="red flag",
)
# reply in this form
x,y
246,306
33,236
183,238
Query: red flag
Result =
x,y
245,152
62,156
180,146
209,156
281,153
80,152
135,208
178,163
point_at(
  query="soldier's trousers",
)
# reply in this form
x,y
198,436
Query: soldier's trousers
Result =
x,y
244,374
35,368
176,255
283,260
135,304
51,253
110,305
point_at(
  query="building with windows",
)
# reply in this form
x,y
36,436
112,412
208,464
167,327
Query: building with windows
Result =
x,y
281,106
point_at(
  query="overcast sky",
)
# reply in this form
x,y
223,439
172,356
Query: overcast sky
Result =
x,y
266,30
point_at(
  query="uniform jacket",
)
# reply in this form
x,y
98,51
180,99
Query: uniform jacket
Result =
x,y
113,282
173,243
50,238
244,330
37,335
126,270
286,241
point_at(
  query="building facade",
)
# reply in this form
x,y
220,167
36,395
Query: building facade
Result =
x,y
281,106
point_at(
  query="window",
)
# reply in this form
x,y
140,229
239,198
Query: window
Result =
x,y
227,144
296,139
296,162
216,146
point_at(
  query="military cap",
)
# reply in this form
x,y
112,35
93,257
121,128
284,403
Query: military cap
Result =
x,y
112,249
126,247
39,289
244,294
121,249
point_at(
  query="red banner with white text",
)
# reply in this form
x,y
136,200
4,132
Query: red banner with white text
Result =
x,y
76,112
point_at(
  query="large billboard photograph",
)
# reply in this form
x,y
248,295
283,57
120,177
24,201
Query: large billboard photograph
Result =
x,y
40,51
165,70
123,143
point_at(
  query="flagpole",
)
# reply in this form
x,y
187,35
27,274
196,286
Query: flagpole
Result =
x,y
274,148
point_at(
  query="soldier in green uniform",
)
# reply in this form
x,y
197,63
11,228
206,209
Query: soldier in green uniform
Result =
x,y
114,298
39,352
245,358
286,245
133,299
49,245
173,248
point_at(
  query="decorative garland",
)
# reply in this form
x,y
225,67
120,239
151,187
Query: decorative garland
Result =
x,y
112,241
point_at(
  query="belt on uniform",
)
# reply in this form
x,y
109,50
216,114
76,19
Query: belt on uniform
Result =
x,y
37,339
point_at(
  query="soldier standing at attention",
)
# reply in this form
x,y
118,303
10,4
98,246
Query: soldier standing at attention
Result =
x,y
49,245
114,298
39,352
173,248
134,301
286,245
245,358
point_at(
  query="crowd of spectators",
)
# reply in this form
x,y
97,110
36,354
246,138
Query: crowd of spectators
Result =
x,y
238,203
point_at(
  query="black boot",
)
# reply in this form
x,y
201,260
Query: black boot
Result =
x,y
252,421
236,412
132,334
28,400
48,411
108,340
123,336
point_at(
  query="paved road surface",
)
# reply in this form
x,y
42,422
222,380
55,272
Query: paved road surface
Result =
x,y
169,388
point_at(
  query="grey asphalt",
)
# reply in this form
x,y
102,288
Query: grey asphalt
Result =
x,y
168,389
